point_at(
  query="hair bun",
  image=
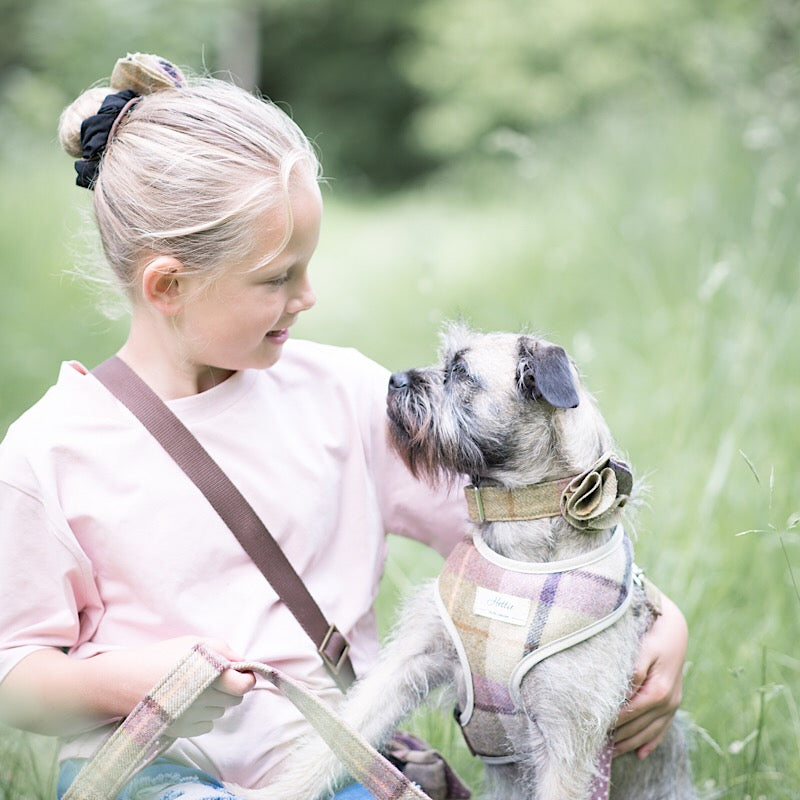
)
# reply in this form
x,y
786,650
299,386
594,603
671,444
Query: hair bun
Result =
x,y
145,73
69,125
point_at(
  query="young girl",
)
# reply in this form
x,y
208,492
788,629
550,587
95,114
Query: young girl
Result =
x,y
111,561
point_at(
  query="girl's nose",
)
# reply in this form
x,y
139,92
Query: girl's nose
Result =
x,y
303,298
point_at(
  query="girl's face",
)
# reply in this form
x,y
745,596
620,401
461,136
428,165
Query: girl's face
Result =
x,y
243,318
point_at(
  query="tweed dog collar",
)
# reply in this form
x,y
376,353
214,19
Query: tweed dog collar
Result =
x,y
589,501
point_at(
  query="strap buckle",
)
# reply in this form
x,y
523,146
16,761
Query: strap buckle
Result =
x,y
334,665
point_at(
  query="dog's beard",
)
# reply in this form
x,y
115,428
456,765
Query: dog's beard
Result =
x,y
435,444
410,429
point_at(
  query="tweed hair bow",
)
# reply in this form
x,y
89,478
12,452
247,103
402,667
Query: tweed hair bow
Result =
x,y
145,73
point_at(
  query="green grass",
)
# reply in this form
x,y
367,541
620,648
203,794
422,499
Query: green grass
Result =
x,y
662,252
27,766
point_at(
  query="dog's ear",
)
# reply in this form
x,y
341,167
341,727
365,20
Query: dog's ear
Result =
x,y
544,373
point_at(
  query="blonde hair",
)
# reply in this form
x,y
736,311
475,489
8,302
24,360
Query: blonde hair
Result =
x,y
187,173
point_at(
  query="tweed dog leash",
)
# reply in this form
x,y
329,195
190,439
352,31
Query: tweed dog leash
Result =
x,y
143,734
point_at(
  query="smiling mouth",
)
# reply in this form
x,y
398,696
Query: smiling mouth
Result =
x,y
279,336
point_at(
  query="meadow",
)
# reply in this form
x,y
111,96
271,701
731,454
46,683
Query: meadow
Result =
x,y
661,249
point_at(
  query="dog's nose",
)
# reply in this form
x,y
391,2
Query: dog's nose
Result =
x,y
398,380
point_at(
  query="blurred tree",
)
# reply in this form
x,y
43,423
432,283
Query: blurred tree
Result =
x,y
239,43
390,90
336,64
12,49
512,64
53,51
78,42
333,63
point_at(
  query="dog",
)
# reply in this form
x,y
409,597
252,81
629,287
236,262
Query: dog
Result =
x,y
510,413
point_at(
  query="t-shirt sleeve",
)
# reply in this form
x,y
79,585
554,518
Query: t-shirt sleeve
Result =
x,y
433,515
47,595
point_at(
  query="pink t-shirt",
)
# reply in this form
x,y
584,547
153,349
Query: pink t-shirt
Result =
x,y
106,544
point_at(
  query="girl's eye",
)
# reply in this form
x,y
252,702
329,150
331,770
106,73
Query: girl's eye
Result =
x,y
279,281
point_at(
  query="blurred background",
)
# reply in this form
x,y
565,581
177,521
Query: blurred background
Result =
x,y
622,177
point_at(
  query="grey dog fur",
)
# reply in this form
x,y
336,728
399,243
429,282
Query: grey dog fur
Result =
x,y
499,409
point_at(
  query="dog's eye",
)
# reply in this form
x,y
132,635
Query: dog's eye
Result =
x,y
456,370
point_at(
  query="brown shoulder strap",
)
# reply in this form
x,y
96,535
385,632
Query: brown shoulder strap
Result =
x,y
233,508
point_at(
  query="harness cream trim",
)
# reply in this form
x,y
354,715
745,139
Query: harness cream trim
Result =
x,y
550,567
564,643
469,691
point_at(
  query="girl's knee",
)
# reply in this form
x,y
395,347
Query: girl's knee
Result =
x,y
161,780
355,791
190,791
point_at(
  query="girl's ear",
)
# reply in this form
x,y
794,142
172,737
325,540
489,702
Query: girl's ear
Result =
x,y
162,285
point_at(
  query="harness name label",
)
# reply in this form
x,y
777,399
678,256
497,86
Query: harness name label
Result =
x,y
501,607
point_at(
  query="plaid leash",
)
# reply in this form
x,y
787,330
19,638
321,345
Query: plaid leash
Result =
x,y
142,736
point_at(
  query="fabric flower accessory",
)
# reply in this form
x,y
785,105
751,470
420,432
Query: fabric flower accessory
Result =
x,y
145,73
594,499
135,75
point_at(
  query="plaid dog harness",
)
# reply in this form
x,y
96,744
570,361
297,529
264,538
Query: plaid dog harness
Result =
x,y
505,616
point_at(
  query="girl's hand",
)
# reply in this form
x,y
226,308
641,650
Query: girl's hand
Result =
x,y
50,693
657,685
148,664
227,691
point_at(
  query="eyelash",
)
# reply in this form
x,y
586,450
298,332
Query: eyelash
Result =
x,y
280,281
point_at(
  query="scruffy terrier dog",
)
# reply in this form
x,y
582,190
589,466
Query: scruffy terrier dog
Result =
x,y
534,624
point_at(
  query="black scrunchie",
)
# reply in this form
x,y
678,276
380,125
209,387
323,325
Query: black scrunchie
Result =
x,y
94,135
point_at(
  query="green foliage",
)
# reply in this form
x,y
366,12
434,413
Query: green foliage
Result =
x,y
337,66
12,50
513,64
392,90
54,51
660,248
46,315
27,766
643,213
75,44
